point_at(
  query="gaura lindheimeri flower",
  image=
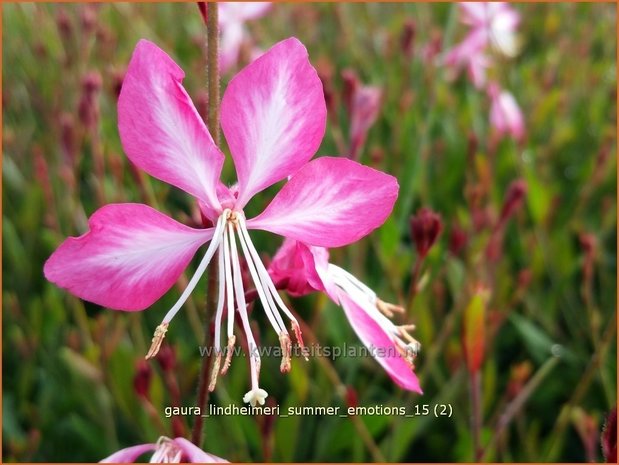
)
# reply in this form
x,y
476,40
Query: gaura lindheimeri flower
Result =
x,y
493,26
273,116
231,19
306,269
505,114
165,451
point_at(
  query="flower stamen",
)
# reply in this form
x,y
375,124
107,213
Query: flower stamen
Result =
x,y
163,327
166,452
229,353
388,309
157,340
284,340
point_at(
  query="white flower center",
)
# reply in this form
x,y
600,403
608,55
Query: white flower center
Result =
x,y
231,294
167,452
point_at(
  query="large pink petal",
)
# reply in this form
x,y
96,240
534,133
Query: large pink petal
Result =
x,y
380,343
160,129
330,202
130,257
273,115
194,454
129,454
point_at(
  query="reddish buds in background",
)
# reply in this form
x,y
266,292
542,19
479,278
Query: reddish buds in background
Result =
x,y
67,137
142,378
426,226
513,199
167,358
88,108
457,240
351,83
407,39
202,8
609,437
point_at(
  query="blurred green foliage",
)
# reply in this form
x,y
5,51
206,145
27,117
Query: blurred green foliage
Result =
x,y
550,349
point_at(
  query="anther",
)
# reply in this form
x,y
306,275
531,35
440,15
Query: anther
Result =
x,y
214,372
388,309
286,345
297,334
157,340
404,332
229,352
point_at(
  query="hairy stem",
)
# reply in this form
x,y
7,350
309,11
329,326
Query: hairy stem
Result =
x,y
212,70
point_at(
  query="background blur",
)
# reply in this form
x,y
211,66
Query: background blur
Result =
x,y
74,384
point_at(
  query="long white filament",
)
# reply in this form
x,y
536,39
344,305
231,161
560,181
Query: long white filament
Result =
x,y
229,286
342,275
254,356
264,274
199,272
270,312
366,300
220,299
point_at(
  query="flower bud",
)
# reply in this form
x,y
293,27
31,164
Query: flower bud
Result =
x,y
67,138
63,23
407,39
457,240
426,226
88,18
513,199
88,107
351,84
167,357
142,378
352,400
202,9
609,437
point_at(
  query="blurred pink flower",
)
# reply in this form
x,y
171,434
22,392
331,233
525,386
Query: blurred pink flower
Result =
x,y
232,18
307,268
365,108
492,26
273,115
363,105
505,114
166,450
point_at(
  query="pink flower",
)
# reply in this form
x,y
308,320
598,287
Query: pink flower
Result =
x,y
505,114
363,103
166,451
231,19
365,108
307,268
492,26
273,116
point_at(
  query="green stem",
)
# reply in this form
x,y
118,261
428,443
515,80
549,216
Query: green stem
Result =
x,y
212,69
556,436
516,405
